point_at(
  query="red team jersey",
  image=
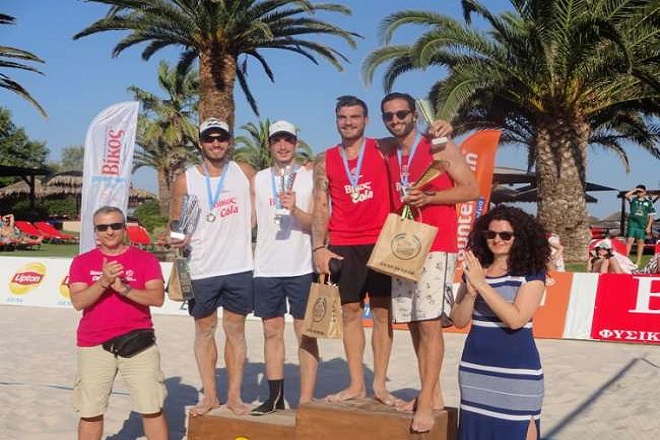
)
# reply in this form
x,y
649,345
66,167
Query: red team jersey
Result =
x,y
441,216
357,219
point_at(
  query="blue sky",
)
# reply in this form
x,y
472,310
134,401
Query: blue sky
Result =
x,y
81,78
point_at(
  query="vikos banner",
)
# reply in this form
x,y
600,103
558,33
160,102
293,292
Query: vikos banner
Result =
x,y
109,147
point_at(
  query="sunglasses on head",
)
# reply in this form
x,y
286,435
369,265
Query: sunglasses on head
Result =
x,y
113,226
504,235
218,137
400,115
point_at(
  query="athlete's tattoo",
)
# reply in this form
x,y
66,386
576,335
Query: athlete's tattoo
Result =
x,y
321,212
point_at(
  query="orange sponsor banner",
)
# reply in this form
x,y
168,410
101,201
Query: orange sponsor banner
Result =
x,y
479,150
550,317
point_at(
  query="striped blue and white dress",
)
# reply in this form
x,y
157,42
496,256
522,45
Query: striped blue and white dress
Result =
x,y
500,374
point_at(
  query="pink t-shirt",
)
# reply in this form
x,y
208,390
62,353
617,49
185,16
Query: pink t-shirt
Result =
x,y
113,315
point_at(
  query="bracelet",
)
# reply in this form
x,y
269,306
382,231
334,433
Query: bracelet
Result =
x,y
317,248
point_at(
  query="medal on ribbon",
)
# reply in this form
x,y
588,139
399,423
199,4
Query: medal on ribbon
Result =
x,y
213,199
353,177
404,169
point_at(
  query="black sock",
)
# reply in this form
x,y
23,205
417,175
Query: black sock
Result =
x,y
275,399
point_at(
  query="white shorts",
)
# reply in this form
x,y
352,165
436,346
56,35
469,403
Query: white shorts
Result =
x,y
429,298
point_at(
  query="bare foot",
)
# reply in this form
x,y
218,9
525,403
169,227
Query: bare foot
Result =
x,y
238,408
386,398
203,407
409,406
423,420
345,395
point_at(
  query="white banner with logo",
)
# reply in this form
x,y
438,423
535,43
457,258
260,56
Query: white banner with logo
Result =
x,y
109,147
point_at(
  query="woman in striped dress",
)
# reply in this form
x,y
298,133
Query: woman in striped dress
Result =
x,y
500,374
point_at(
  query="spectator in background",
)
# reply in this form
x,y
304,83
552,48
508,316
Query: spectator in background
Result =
x,y
556,261
8,232
603,260
640,220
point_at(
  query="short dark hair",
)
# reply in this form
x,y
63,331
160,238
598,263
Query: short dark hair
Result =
x,y
351,101
641,187
396,95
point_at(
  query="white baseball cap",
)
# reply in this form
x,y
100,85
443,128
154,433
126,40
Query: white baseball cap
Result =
x,y
213,123
282,127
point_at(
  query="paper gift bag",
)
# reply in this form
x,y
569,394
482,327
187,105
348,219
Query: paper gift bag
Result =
x,y
179,285
323,314
402,246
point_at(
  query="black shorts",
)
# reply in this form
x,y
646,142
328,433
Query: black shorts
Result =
x,y
355,279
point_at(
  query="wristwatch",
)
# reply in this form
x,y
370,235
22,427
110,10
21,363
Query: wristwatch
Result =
x,y
126,290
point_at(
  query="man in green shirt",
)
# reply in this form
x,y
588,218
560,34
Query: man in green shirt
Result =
x,y
640,219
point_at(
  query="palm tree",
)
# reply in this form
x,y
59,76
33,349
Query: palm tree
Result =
x,y
7,57
554,75
224,35
254,150
167,133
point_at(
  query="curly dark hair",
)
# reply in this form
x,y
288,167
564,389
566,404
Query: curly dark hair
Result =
x,y
530,250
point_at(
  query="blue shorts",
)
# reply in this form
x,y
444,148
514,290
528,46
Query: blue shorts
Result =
x,y
271,294
232,292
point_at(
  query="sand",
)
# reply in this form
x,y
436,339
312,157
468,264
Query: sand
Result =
x,y
594,390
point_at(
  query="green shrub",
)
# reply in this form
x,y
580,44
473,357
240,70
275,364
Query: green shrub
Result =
x,y
148,215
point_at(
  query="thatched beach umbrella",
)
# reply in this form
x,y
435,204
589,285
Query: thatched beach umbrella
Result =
x,y
70,183
21,188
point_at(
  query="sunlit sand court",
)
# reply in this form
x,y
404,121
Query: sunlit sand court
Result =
x,y
594,390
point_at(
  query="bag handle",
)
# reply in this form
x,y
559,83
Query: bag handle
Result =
x,y
407,213
324,278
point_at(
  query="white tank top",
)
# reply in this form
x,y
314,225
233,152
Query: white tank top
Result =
x,y
284,249
224,246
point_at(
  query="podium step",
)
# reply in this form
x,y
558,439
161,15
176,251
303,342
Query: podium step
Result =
x,y
356,419
367,420
222,424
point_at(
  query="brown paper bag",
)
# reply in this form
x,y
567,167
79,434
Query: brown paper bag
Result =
x,y
179,285
402,247
323,314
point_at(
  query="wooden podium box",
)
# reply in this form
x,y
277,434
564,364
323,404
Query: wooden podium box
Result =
x,y
222,424
367,420
356,419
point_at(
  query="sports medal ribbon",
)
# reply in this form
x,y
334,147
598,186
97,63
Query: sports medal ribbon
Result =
x,y
404,170
212,199
353,178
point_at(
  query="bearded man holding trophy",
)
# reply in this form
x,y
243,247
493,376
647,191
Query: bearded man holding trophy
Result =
x,y
283,269
442,179
219,259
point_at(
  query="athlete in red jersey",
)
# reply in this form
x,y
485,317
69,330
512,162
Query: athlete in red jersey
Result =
x,y
353,178
420,304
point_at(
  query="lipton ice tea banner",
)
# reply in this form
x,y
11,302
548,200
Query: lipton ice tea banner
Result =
x,y
109,147
479,150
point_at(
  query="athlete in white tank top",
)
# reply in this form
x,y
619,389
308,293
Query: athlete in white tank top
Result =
x,y
284,247
222,242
